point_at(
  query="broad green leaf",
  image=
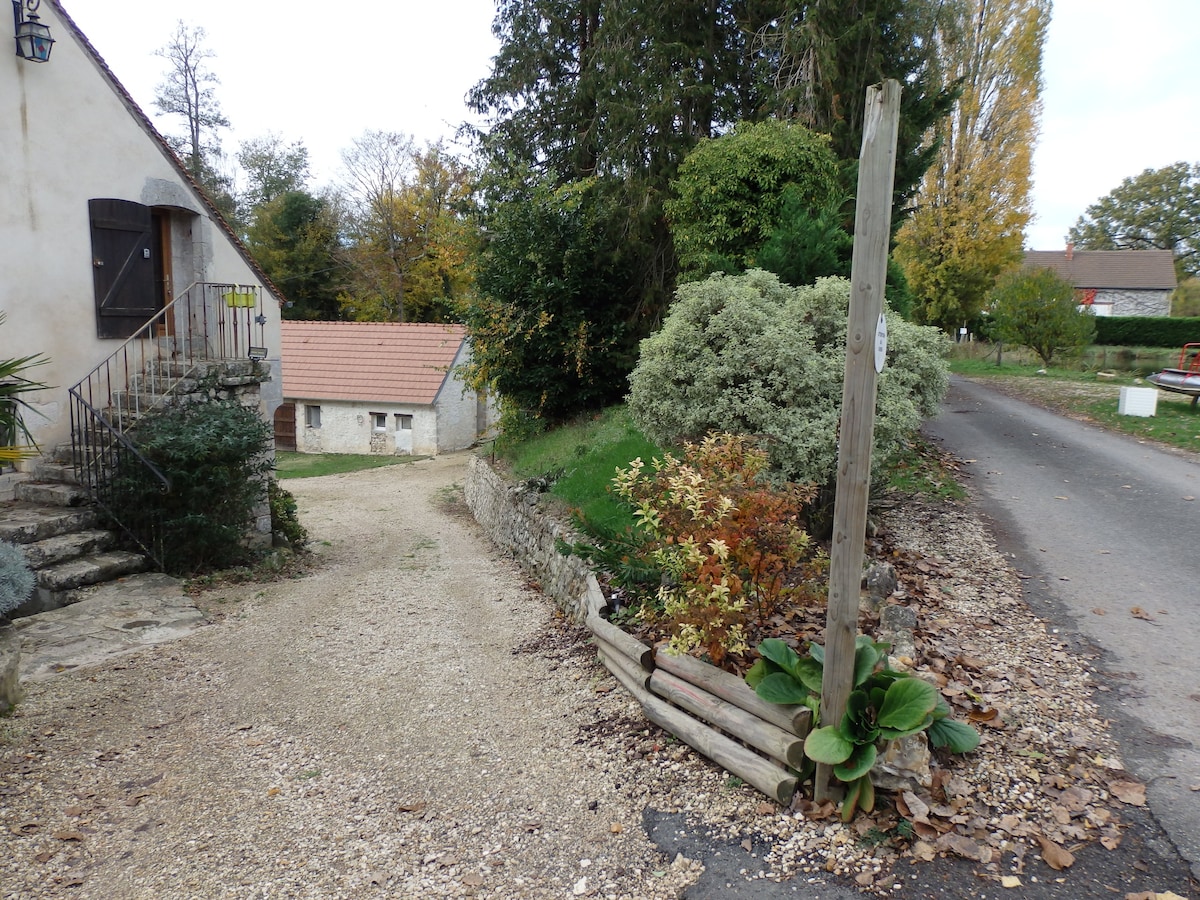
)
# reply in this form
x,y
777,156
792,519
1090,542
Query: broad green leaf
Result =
x,y
810,672
817,652
907,703
866,657
858,765
850,801
780,687
942,710
827,745
778,652
892,734
959,737
866,796
756,673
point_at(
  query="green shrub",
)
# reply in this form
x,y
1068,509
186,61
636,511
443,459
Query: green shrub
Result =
x,y
1040,310
721,548
214,455
16,578
1146,331
285,515
751,355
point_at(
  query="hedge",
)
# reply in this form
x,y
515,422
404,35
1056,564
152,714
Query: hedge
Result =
x,y
1146,331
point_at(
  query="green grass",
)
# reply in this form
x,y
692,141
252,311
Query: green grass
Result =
x,y
581,459
919,469
1175,421
312,465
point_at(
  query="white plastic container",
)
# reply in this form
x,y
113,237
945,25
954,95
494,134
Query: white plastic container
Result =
x,y
1137,401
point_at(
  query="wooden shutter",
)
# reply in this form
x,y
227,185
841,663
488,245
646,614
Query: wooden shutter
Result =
x,y
122,266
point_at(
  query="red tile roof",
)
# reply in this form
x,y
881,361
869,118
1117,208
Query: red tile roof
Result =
x,y
389,361
1147,270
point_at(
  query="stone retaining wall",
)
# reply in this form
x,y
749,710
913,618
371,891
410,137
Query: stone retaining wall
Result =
x,y
510,516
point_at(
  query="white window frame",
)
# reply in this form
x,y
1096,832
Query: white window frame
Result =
x,y
312,415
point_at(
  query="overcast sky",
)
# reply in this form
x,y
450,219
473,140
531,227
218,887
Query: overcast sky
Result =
x,y
1119,79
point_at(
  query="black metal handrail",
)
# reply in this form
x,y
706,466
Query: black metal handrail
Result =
x,y
100,452
208,322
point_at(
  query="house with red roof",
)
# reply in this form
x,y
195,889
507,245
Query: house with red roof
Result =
x,y
1114,282
377,387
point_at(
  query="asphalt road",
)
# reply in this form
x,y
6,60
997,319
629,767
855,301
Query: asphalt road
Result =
x,y
1105,528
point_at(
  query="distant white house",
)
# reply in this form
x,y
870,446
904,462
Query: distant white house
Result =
x,y
1114,282
101,228
377,387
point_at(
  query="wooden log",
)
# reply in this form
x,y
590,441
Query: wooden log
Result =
x,y
626,643
770,739
747,765
614,659
730,688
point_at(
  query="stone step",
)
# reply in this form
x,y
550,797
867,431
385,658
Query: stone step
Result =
x,y
52,493
24,523
53,550
52,470
91,569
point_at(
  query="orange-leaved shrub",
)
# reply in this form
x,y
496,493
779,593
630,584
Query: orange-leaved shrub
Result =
x,y
727,542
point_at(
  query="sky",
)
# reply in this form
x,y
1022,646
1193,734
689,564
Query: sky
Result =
x,y
1118,97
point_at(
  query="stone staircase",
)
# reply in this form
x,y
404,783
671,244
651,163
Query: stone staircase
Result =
x,y
53,521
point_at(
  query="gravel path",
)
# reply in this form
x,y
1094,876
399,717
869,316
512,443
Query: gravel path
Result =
x,y
404,723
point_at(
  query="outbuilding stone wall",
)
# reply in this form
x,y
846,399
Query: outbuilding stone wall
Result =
x,y
510,516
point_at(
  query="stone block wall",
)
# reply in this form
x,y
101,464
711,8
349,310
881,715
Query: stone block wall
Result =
x,y
510,516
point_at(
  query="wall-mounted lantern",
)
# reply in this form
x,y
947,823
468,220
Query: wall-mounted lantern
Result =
x,y
33,38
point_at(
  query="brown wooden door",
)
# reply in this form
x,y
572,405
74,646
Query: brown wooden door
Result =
x,y
285,427
122,266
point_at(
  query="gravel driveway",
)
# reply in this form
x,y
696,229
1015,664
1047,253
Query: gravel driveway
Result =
x,y
409,721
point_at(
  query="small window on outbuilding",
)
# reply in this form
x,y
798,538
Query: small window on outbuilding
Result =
x,y
312,416
403,422
379,421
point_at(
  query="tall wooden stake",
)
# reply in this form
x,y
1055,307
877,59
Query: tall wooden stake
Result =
x,y
872,231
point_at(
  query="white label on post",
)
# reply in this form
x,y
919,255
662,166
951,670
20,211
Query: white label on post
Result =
x,y
880,344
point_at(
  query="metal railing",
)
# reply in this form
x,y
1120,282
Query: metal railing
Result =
x,y
207,323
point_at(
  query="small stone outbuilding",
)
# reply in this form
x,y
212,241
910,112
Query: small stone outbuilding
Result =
x,y
1114,282
377,387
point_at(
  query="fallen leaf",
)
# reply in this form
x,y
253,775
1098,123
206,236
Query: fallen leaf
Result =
x,y
964,847
983,716
1056,857
765,809
616,828
25,828
1099,612
73,811
412,807
1138,613
1010,881
915,809
923,851
1111,840
273,792
747,845
472,879
1129,792
69,835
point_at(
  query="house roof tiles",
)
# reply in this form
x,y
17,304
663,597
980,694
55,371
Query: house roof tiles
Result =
x,y
383,361
1120,269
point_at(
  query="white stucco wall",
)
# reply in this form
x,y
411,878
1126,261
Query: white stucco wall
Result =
x,y
349,427
68,138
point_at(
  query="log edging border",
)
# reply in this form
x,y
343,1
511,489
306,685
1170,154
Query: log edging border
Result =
x,y
710,710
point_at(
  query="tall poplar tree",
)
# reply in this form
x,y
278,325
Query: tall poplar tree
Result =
x,y
974,203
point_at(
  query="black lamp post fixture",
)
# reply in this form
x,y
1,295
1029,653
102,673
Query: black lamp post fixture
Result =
x,y
33,38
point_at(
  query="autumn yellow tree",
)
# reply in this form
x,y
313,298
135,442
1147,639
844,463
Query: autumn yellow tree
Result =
x,y
408,234
974,201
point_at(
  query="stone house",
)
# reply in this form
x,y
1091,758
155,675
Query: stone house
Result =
x,y
377,387
116,265
1114,282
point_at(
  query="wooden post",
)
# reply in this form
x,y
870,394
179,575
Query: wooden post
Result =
x,y
872,232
